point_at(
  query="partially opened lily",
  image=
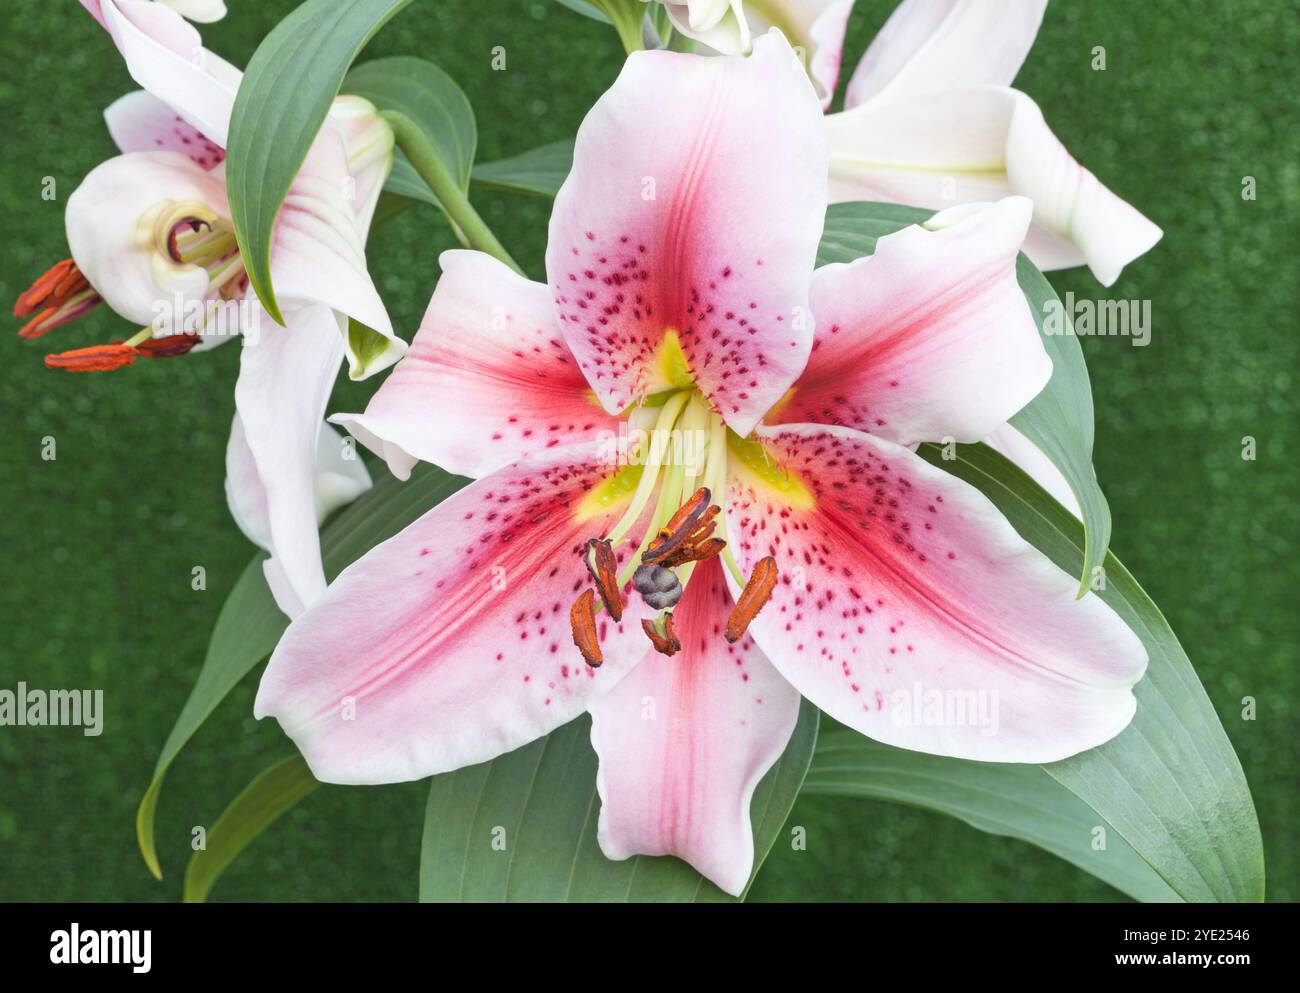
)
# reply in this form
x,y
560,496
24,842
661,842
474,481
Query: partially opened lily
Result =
x,y
150,233
814,27
799,546
931,119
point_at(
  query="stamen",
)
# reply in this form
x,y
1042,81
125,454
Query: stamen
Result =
x,y
168,346
59,296
96,358
681,526
582,618
665,643
752,598
107,358
604,570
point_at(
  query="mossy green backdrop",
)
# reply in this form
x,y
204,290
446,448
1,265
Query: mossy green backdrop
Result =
x,y
98,546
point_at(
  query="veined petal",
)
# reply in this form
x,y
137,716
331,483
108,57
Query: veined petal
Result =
x,y
285,378
202,11
140,122
112,220
720,24
1042,470
368,142
341,477
449,644
488,379
928,338
683,741
165,55
679,226
929,45
981,144
318,245
909,609
815,27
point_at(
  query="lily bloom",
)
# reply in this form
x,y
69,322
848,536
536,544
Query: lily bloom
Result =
x,y
798,545
931,119
815,27
150,234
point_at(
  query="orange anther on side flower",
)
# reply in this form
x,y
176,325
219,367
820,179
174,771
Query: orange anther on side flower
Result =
x,y
665,643
752,598
604,570
582,618
60,295
96,358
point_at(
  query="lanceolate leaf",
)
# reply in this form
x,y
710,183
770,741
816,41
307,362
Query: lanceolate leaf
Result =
x,y
1170,785
540,170
523,827
250,624
1059,421
282,101
1016,801
262,802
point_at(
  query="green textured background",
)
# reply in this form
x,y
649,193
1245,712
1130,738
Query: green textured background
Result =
x,y
98,546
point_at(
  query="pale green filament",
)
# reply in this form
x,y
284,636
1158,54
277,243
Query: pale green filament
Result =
x,y
660,442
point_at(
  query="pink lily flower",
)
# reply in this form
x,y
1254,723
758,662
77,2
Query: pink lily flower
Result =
x,y
930,119
150,233
850,570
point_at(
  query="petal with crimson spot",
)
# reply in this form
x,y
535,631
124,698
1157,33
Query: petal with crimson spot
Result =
x,y
488,378
909,609
683,741
930,337
449,644
687,227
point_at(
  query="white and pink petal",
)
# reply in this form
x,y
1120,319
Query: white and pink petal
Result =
x,y
450,643
682,223
929,338
488,378
683,742
909,609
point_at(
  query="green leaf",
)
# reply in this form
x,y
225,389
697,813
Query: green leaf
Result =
x,y
433,102
540,170
543,797
586,9
1015,801
250,623
1170,785
262,802
1059,421
287,89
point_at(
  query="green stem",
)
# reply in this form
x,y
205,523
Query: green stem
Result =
x,y
474,233
626,16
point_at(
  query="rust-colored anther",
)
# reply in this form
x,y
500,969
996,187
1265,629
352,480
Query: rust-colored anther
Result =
x,y
604,570
167,346
582,618
693,522
60,295
666,643
756,593
692,553
96,358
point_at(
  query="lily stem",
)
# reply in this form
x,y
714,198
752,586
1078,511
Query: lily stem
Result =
x,y
627,17
469,226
